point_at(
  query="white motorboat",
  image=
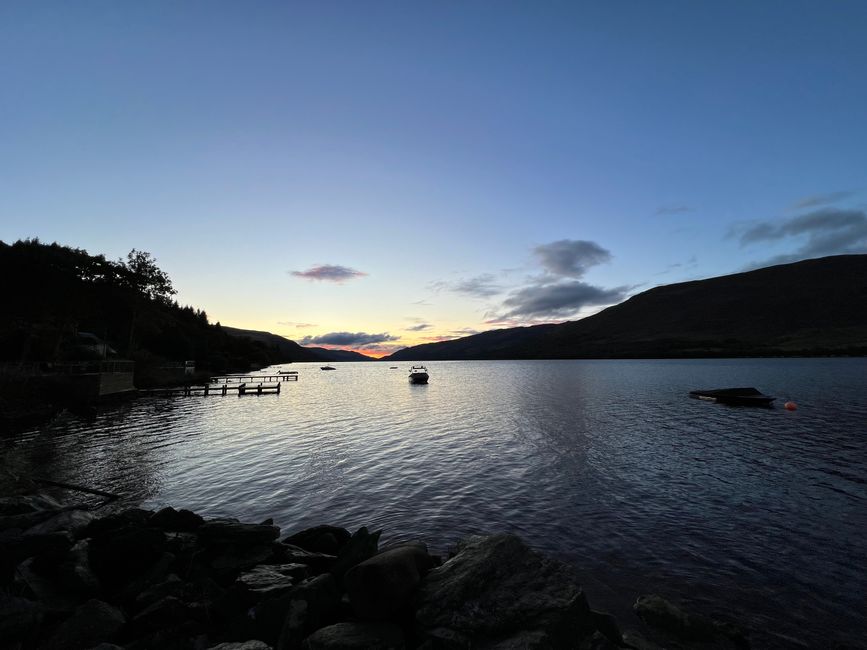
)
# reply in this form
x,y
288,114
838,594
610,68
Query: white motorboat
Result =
x,y
418,375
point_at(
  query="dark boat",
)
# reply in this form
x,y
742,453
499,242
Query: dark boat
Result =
x,y
748,396
327,368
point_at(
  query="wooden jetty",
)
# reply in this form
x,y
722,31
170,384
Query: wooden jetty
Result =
x,y
228,379
218,389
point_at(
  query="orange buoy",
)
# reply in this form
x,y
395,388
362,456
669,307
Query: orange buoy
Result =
x,y
790,406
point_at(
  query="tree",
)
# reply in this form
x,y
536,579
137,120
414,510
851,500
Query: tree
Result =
x,y
146,277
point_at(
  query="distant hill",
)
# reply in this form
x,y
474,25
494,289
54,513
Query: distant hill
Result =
x,y
291,351
812,307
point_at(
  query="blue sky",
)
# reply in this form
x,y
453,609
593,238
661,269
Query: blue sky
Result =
x,y
381,174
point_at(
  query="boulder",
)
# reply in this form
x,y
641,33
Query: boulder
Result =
x,y
171,586
20,619
167,613
169,519
120,557
243,645
360,547
665,617
94,622
316,562
71,521
226,531
269,580
356,636
288,619
320,539
24,503
496,590
382,586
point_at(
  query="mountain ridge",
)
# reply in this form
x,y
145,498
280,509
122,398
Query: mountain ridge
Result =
x,y
811,307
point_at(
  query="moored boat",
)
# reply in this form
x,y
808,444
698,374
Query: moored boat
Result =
x,y
327,368
747,396
418,375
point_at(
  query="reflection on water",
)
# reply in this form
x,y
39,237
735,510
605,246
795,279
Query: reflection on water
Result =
x,y
759,514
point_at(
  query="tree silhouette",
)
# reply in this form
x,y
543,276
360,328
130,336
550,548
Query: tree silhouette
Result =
x,y
145,277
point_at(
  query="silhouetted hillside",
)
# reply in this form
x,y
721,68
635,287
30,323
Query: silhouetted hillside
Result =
x,y
59,302
292,351
812,307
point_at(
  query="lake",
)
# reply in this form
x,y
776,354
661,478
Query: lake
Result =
x,y
759,515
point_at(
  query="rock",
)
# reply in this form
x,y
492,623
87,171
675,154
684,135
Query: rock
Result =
x,y
244,645
356,636
45,590
171,586
496,588
156,573
169,519
164,614
20,619
224,531
106,646
95,621
22,504
120,557
360,547
271,580
320,539
607,626
69,520
288,619
382,586
316,562
666,617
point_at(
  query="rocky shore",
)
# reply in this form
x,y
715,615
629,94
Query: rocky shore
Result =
x,y
170,579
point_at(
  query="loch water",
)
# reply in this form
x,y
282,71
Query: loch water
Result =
x,y
756,515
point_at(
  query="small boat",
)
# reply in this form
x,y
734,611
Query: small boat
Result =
x,y
327,368
392,367
418,375
287,372
748,396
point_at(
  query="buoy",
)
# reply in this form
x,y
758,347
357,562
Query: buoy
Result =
x,y
790,406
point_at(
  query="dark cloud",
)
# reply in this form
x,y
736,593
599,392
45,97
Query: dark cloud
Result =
x,y
821,199
419,328
828,231
351,339
329,273
481,286
570,257
558,300
672,209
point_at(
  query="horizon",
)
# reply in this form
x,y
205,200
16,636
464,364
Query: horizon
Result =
x,y
372,177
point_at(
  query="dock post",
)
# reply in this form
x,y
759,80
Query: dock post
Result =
x,y
242,388
207,389
225,388
259,390
278,387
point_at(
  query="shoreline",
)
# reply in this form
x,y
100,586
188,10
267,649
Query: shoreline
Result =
x,y
172,579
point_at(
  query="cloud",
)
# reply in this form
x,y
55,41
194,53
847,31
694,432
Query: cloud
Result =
x,y
480,286
422,303
349,339
419,328
570,257
558,300
289,323
817,200
829,231
329,273
677,208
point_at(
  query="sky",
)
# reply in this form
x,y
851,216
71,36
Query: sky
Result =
x,y
371,175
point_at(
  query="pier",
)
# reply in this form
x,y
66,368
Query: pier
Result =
x,y
228,379
219,389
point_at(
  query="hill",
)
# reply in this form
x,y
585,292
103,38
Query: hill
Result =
x,y
812,307
291,351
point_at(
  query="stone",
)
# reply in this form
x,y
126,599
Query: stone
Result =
x,y
95,621
24,503
20,619
316,562
169,519
106,646
360,547
382,586
288,619
171,586
497,589
71,521
356,636
666,617
269,580
165,613
128,553
320,539
224,531
243,645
